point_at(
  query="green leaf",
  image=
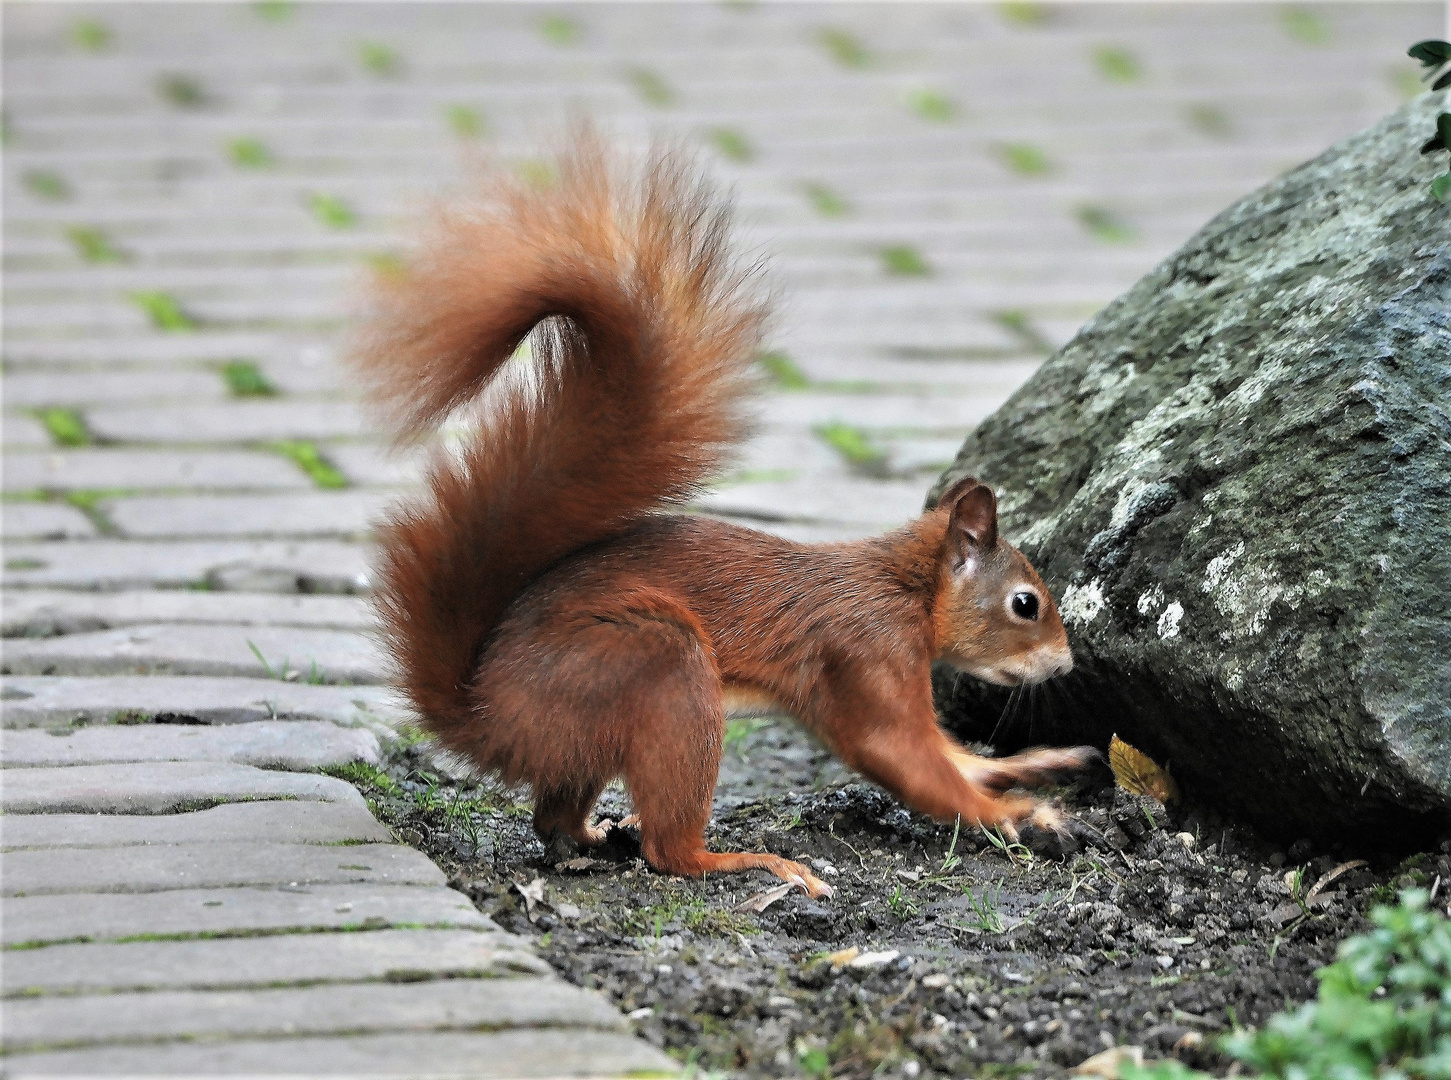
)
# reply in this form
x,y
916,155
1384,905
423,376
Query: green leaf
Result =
x,y
558,30
1443,82
1441,186
825,201
47,185
1024,12
94,245
853,444
651,87
249,153
466,121
845,48
245,379
386,263
904,260
306,456
537,174
91,35
275,10
784,371
181,91
379,59
732,144
332,211
164,311
1105,225
1209,120
931,105
1431,52
1443,127
65,426
1025,159
1117,64
1305,26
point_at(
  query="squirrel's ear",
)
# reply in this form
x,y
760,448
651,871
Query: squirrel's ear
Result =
x,y
975,519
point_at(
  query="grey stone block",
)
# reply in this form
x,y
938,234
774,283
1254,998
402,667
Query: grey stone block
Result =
x,y
294,821
451,1005
96,469
165,649
297,745
234,422
211,865
159,788
109,387
899,411
867,502
256,962
24,432
42,612
504,1054
47,700
252,566
372,465
44,521
334,513
241,911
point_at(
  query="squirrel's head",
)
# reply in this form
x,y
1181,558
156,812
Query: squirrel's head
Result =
x,y
994,616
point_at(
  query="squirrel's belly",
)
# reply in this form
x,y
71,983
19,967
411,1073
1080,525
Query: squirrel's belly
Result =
x,y
743,700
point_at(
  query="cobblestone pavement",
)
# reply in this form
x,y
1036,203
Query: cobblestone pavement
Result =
x,y
945,192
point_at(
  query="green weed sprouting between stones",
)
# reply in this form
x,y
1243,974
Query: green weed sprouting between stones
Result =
x,y
181,91
275,10
1024,12
903,260
852,444
164,311
389,264
332,211
1103,224
1209,120
824,201
249,153
464,121
379,59
1305,26
1117,64
1383,1011
1406,82
91,35
845,47
732,144
94,245
558,30
65,426
245,379
651,86
931,105
47,185
784,371
1025,159
306,456
1434,56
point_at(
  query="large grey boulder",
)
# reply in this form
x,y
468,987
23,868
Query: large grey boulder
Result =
x,y
1237,480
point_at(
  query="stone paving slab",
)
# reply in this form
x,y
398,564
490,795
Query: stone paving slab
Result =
x,y
24,432
44,521
864,502
211,865
234,422
455,1004
49,389
94,470
50,701
395,955
296,745
505,1054
294,821
334,513
235,912
46,612
167,649
159,788
249,566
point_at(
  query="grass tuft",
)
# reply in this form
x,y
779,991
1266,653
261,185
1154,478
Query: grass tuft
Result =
x,y
845,47
47,185
245,379
306,456
1117,64
537,173
332,211
559,30
903,260
1024,13
164,311
931,105
181,91
388,264
1103,224
1025,159
379,59
783,371
853,444
825,201
249,153
1209,120
91,35
732,144
464,121
275,10
1305,26
65,426
651,86
94,245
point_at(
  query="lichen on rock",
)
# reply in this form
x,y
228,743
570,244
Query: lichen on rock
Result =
x,y
1237,480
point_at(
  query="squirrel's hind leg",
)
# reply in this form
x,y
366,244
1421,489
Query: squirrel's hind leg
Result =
x,y
568,811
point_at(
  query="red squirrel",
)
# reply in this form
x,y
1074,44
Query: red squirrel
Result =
x,y
549,618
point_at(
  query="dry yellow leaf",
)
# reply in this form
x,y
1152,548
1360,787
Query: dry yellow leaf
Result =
x,y
1135,771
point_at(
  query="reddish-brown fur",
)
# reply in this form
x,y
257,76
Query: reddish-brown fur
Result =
x,y
550,622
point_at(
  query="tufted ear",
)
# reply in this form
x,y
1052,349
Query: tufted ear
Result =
x,y
974,518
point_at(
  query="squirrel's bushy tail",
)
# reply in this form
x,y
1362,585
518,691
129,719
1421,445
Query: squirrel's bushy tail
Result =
x,y
641,335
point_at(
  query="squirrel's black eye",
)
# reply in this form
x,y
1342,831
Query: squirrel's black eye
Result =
x,y
1025,605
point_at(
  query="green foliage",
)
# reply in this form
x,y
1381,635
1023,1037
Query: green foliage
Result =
x,y
245,379
558,30
1305,26
845,47
465,121
931,105
306,456
1435,56
275,10
94,245
363,775
651,86
181,91
1103,224
1025,159
1383,1010
332,211
824,200
1117,64
784,371
379,59
1208,120
904,260
47,185
249,153
852,444
387,263
1024,12
537,174
164,311
732,144
65,426
91,35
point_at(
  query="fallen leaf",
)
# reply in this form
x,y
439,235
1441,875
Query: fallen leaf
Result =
x,y
1138,773
842,957
1109,1064
1329,876
533,894
762,900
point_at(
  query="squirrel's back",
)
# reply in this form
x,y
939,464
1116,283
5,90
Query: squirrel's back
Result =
x,y
641,336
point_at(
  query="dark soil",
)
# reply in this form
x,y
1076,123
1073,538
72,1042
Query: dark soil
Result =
x,y
1166,927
